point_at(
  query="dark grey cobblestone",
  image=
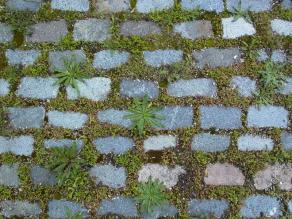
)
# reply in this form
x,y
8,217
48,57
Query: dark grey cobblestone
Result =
x,y
139,28
210,143
208,5
6,34
59,209
24,118
205,207
250,142
160,57
42,177
51,31
9,176
23,5
114,144
22,57
286,139
147,6
108,6
20,209
21,145
4,87
67,120
139,88
70,5
251,5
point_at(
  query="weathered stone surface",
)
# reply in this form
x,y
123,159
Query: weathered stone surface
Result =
x,y
250,142
139,28
114,117
245,86
51,31
279,56
95,89
223,174
6,34
165,210
109,175
121,205
200,87
109,59
70,5
176,117
278,174
67,120
208,5
233,29
139,88
207,208
250,5
220,117
256,206
286,139
57,59
290,206
267,116
194,29
160,57
53,143
23,118
9,175
262,55
41,176
210,143
287,4
107,6
4,87
282,27
168,176
114,144
147,6
215,57
20,209
23,5
92,30
38,88
22,57
22,145
287,87
59,209
160,142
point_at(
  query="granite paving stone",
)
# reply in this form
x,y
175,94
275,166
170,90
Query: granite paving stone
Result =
x,y
109,59
67,120
109,175
96,89
120,205
286,140
92,30
223,174
290,206
220,117
53,143
139,88
21,145
278,56
245,86
147,6
24,5
160,57
250,142
114,144
165,210
286,4
233,29
281,27
38,88
193,30
215,57
267,116
210,142
200,87
287,87
250,5
46,32
4,87
112,6
6,34
114,117
169,176
59,209
9,176
256,206
139,28
22,57
160,142
20,209
58,59
70,5
207,207
42,177
28,117
207,5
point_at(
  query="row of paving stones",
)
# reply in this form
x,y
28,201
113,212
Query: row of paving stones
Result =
x,y
146,6
174,117
98,88
206,142
99,30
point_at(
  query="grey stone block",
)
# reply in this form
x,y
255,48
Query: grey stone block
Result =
x,y
234,29
53,143
210,143
160,142
42,177
70,5
21,145
287,87
20,209
6,34
139,88
282,27
206,208
22,57
250,142
250,5
67,120
9,176
109,59
4,87
245,86
286,139
160,57
114,117
278,56
165,210
139,28
147,6
114,144
23,5
112,6
287,4
208,5
59,209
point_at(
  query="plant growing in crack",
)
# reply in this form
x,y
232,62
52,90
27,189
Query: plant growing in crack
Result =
x,y
239,12
150,195
144,115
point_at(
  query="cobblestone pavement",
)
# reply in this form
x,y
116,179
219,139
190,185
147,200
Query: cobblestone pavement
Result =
x,y
220,152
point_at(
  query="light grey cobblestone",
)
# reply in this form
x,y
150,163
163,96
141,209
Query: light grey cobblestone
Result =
x,y
210,142
42,177
9,176
147,6
112,6
53,143
6,34
22,57
234,29
114,144
282,27
67,120
21,145
139,28
208,5
250,5
160,142
4,87
206,208
286,139
160,57
59,209
109,59
70,5
250,142
20,209
245,86
139,88
23,5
